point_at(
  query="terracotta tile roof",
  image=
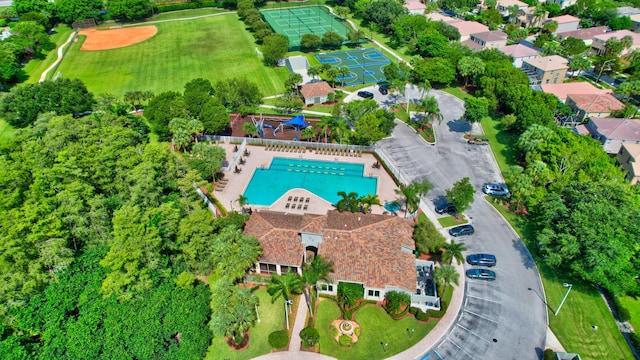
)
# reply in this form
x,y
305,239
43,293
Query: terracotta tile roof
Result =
x,y
518,51
508,3
468,27
618,129
320,88
548,63
472,45
619,35
365,248
564,19
583,34
596,103
581,130
632,149
487,36
562,90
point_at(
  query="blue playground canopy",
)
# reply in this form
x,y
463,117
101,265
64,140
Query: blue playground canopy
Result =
x,y
297,122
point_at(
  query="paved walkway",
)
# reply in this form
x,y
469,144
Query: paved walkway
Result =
x,y
301,318
43,77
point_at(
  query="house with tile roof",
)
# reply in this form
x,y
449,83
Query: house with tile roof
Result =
x,y
546,70
376,251
415,7
487,40
600,41
629,159
563,3
593,105
626,11
585,35
466,28
613,132
566,23
519,53
503,6
635,22
562,90
316,92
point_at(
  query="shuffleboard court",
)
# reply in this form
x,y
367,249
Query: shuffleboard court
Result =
x,y
365,66
297,21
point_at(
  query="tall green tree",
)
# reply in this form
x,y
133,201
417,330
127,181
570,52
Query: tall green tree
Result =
x,y
413,192
453,251
446,275
274,48
285,286
207,159
162,109
461,194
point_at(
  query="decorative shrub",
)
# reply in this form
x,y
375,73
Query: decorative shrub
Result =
x,y
309,336
421,315
549,355
357,331
278,339
345,340
334,331
440,313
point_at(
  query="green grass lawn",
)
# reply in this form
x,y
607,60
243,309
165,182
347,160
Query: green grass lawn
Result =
x,y
377,327
632,304
449,221
271,319
35,67
501,142
213,48
6,131
583,308
455,91
186,14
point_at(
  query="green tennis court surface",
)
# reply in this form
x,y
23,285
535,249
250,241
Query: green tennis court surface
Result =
x,y
365,65
297,21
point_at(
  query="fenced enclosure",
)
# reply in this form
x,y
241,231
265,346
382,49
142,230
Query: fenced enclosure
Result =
x,y
365,66
297,21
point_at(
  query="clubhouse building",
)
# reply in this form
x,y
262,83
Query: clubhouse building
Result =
x,y
376,251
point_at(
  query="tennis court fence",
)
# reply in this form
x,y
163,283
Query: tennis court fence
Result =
x,y
265,142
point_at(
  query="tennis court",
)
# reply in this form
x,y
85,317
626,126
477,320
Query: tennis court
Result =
x,y
297,21
365,65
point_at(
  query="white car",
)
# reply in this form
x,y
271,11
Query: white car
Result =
x,y
495,190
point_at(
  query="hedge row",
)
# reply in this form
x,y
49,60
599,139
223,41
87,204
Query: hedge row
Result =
x,y
187,6
399,315
348,314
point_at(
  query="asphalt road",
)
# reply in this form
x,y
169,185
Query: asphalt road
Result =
x,y
501,319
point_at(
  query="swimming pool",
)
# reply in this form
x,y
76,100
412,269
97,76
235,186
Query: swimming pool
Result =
x,y
323,178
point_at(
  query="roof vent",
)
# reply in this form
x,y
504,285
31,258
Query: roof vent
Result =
x,y
358,218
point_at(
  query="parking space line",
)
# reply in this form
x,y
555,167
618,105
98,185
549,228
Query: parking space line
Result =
x,y
483,299
458,346
480,316
473,333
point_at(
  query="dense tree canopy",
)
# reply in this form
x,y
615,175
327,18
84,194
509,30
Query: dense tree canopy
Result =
x,y
129,9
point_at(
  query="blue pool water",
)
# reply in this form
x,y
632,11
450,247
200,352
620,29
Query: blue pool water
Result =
x,y
323,178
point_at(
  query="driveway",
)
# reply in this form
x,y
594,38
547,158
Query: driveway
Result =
x,y
501,319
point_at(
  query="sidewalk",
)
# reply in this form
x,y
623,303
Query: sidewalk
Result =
x,y
301,317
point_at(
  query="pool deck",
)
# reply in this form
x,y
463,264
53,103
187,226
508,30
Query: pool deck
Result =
x,y
260,157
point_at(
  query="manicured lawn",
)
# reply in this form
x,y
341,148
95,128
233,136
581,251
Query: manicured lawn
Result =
x,y
583,308
213,48
35,67
633,306
501,142
186,14
455,91
271,319
6,131
449,221
377,327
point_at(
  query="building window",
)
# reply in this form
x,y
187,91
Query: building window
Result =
x,y
267,268
373,293
326,287
285,269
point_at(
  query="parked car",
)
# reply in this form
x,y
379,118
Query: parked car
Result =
x,y
448,208
365,94
383,89
461,230
495,190
478,141
482,274
482,260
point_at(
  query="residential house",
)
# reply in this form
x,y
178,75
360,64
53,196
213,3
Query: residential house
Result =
x,y
562,90
635,22
503,6
614,132
593,105
466,28
487,40
600,41
315,93
627,11
519,53
566,23
374,250
5,33
415,7
436,16
629,160
585,35
546,70
563,3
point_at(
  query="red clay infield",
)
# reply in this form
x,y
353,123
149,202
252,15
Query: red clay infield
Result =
x,y
115,38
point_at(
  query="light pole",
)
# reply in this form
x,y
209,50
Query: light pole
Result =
x,y
231,205
286,313
567,285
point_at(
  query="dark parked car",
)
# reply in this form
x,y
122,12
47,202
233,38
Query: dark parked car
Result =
x,y
482,260
495,190
365,94
461,230
383,90
482,274
448,208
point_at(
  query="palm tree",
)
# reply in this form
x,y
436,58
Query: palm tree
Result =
x,y
332,74
446,275
194,127
182,139
242,200
368,201
285,286
250,129
431,110
412,193
316,270
349,202
308,133
342,72
313,71
425,86
453,250
340,128
326,125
